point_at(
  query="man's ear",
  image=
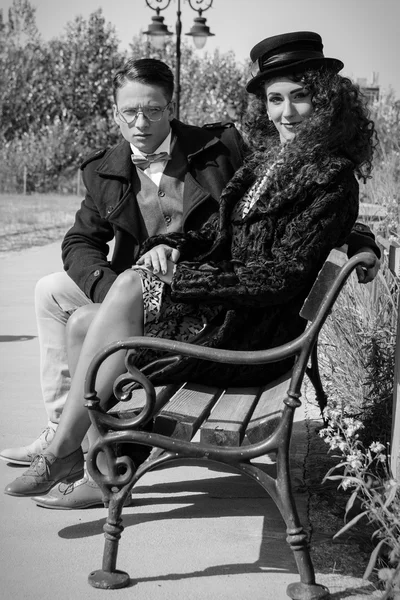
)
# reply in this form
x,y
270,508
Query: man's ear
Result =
x,y
171,110
115,112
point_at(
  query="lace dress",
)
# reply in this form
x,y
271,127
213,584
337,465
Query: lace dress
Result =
x,y
167,319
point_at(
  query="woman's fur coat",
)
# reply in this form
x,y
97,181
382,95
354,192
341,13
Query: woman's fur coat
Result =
x,y
262,272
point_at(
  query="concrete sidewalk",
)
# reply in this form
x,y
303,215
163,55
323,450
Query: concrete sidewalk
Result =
x,y
194,533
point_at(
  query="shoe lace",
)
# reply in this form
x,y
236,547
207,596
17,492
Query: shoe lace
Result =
x,y
68,488
39,466
45,433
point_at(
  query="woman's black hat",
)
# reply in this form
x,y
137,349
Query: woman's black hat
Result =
x,y
288,53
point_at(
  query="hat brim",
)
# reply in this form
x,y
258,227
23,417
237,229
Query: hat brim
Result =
x,y
330,63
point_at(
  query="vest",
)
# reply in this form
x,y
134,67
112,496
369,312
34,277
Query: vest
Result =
x,y
162,207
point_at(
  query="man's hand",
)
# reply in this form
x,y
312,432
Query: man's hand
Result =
x,y
366,275
161,260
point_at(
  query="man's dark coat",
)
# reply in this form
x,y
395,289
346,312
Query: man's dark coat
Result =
x,y
110,209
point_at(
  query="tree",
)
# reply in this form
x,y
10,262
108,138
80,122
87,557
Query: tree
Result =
x,y
56,97
21,25
23,63
66,80
85,59
208,83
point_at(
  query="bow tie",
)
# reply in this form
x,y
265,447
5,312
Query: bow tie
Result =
x,y
143,163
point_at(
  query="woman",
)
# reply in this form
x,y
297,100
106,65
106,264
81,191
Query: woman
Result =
x,y
251,266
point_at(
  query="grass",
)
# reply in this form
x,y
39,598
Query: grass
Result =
x,y
34,220
357,348
357,361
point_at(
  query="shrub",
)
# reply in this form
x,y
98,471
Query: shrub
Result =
x,y
357,359
49,159
364,470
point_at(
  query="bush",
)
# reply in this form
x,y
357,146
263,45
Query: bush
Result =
x,y
363,469
357,349
49,159
357,359
383,188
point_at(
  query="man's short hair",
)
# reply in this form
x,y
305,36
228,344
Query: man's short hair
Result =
x,y
149,71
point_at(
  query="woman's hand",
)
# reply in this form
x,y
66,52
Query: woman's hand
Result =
x,y
366,275
161,260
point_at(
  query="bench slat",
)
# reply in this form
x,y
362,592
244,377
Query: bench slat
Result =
x,y
268,411
186,410
227,422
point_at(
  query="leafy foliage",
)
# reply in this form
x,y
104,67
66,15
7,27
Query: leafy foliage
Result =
x,y
357,359
84,60
65,80
56,97
207,83
383,188
47,159
363,469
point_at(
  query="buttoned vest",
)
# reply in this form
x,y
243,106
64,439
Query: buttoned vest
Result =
x,y
162,207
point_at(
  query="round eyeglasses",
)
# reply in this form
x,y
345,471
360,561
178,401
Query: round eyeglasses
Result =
x,y
151,113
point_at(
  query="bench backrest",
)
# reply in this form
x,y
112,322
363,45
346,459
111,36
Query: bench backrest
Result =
x,y
331,267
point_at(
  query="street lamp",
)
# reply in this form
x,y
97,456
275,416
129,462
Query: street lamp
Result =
x,y
158,31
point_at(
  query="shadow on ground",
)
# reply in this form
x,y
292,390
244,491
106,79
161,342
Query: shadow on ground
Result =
x,y
17,338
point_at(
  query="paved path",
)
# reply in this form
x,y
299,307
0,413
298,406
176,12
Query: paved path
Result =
x,y
193,534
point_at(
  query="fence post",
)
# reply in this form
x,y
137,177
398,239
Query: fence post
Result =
x,y
25,176
78,183
395,444
393,250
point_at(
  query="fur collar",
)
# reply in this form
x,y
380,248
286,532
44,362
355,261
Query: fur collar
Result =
x,y
313,178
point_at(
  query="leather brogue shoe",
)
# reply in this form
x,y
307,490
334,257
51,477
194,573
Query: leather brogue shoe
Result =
x,y
45,472
84,493
23,455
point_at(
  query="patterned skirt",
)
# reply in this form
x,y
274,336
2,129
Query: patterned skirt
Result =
x,y
167,319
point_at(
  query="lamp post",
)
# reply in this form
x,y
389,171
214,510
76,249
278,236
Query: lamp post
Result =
x,y
157,32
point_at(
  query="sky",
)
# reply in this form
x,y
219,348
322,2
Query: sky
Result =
x,y
364,34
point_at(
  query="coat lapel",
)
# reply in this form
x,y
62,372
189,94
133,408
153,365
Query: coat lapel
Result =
x,y
123,211
194,142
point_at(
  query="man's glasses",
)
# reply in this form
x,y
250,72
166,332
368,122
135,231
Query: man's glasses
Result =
x,y
151,113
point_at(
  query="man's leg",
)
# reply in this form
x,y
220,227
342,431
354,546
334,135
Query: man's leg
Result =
x,y
56,298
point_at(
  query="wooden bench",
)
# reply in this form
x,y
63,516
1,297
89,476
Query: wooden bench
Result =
x,y
232,426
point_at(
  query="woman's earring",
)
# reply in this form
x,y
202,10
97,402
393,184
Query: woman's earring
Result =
x,y
269,117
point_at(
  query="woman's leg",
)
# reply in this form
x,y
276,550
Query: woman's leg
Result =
x,y
77,330
119,316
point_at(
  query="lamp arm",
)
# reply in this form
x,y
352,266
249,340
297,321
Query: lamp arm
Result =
x,y
177,94
200,9
158,8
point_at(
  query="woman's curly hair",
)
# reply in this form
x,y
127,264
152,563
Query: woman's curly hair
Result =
x,y
339,126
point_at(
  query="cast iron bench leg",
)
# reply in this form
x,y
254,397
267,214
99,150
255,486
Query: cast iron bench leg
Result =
x,y
109,577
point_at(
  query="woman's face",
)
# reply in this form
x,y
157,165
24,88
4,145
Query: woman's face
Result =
x,y
288,104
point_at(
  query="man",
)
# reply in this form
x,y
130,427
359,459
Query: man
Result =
x,y
164,176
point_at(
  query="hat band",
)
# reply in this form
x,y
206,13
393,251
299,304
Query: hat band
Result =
x,y
283,59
